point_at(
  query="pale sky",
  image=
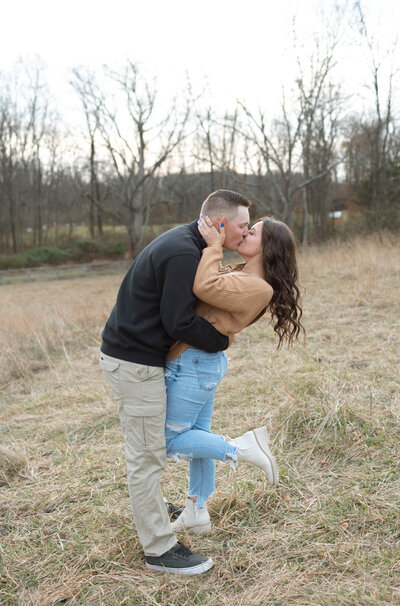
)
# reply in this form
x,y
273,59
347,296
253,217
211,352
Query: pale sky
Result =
x,y
241,49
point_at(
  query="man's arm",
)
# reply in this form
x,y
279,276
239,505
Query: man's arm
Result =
x,y
178,306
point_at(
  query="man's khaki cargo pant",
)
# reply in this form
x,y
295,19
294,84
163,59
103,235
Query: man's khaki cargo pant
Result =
x,y
141,396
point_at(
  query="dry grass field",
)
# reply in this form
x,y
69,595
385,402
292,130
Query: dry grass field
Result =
x,y
329,534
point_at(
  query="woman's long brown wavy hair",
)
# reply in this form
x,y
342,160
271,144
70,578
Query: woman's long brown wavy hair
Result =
x,y
280,270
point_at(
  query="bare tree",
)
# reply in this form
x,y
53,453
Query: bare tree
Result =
x,y
379,130
287,171
26,127
85,86
216,146
138,141
36,130
321,105
9,158
297,148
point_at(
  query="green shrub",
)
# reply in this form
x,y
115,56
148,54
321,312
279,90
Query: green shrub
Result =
x,y
119,248
87,246
83,251
45,255
34,257
11,261
87,250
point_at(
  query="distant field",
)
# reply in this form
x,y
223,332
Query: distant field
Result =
x,y
65,232
329,534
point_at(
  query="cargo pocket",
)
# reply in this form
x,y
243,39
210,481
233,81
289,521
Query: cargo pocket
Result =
x,y
145,425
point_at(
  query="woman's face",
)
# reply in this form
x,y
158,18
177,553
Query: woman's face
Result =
x,y
252,245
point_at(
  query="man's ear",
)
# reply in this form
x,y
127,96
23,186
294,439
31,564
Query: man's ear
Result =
x,y
217,223
220,221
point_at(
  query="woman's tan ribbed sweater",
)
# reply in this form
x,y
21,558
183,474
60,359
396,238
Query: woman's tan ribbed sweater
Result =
x,y
229,301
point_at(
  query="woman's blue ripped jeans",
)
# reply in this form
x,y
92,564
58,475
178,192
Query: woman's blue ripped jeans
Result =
x,y
191,381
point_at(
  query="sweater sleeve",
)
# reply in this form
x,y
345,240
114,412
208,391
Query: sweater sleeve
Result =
x,y
232,292
178,306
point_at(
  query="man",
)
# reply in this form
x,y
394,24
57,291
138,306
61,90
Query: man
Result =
x,y
156,307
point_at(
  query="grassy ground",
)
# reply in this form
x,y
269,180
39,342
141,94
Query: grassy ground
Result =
x,y
328,534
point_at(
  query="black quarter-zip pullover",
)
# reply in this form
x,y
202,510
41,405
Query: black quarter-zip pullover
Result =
x,y
155,304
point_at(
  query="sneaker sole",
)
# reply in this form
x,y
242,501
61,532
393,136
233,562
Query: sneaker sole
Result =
x,y
199,569
262,441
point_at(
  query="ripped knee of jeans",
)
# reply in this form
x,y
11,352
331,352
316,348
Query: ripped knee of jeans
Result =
x,y
176,427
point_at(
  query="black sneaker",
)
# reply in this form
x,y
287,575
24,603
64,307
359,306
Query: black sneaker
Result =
x,y
179,559
174,511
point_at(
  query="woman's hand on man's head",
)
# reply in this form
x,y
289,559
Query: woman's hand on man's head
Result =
x,y
209,232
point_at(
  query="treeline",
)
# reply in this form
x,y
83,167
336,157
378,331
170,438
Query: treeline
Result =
x,y
137,161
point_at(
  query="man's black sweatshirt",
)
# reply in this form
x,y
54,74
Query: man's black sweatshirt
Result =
x,y
155,304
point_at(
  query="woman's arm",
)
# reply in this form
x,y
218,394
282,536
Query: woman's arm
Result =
x,y
232,292
241,294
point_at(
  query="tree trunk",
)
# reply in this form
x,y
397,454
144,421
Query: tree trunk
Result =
x,y
39,204
131,240
304,238
92,190
12,224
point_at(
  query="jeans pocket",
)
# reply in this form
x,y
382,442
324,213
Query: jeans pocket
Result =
x,y
208,374
171,370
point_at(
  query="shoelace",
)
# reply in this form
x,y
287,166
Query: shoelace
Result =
x,y
182,550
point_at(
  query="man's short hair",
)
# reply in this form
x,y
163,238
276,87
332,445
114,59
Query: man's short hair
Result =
x,y
223,202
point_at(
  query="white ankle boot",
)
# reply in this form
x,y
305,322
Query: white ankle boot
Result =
x,y
254,448
193,519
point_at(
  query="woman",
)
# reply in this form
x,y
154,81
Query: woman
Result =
x,y
230,300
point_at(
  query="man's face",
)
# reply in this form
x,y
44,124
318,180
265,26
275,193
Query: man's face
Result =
x,y
236,229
